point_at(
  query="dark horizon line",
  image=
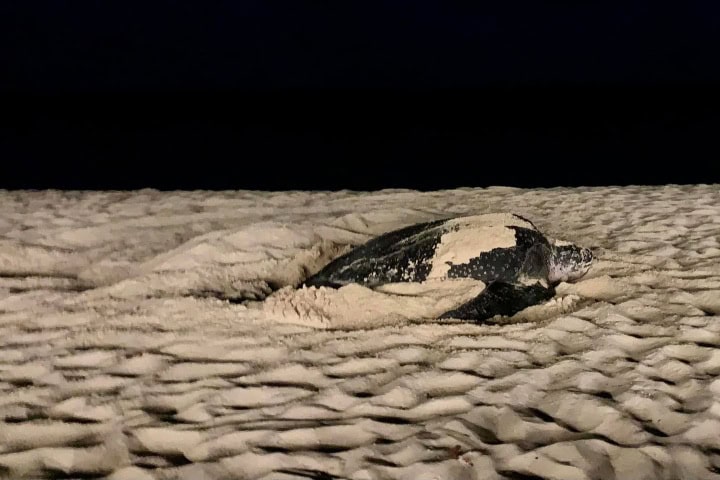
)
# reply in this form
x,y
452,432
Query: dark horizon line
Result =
x,y
88,186
404,90
354,190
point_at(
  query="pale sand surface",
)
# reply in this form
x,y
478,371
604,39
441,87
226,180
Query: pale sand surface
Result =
x,y
129,348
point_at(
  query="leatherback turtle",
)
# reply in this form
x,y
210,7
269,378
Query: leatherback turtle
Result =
x,y
517,264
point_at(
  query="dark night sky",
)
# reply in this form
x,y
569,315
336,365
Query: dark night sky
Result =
x,y
113,95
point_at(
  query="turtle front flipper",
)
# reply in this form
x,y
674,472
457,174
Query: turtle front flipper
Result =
x,y
501,298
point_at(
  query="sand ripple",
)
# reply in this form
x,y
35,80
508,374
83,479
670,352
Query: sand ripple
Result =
x,y
134,343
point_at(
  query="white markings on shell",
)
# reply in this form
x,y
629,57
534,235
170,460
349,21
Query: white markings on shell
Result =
x,y
476,235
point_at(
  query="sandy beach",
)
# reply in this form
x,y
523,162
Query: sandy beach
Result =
x,y
159,335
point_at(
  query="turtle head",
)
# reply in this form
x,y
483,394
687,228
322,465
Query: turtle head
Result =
x,y
568,262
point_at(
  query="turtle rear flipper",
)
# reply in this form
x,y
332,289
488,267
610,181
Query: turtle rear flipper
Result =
x,y
500,298
321,281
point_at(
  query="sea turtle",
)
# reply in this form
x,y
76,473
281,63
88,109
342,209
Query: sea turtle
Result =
x,y
516,263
